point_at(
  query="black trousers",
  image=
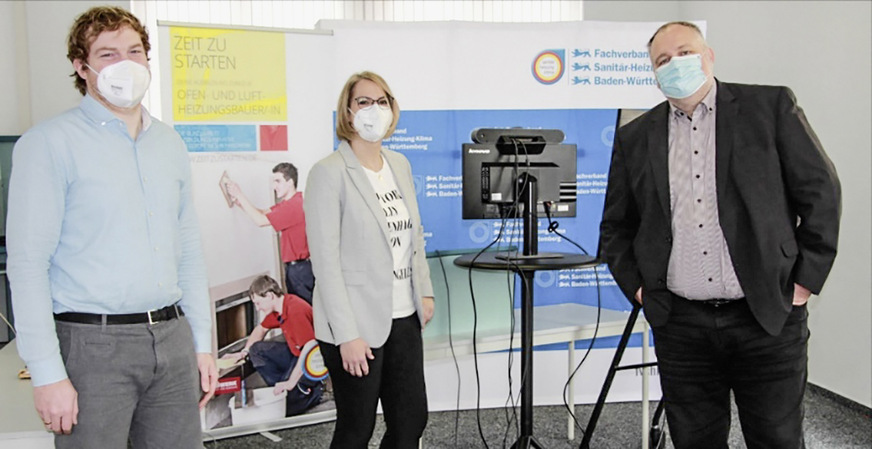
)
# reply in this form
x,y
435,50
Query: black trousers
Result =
x,y
299,279
396,376
704,352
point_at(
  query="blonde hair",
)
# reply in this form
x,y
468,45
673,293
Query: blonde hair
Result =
x,y
344,117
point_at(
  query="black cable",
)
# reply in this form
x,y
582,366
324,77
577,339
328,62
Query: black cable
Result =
x,y
451,345
512,213
510,275
475,334
509,398
586,354
553,228
520,182
526,370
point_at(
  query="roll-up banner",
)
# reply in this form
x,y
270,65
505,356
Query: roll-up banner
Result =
x,y
247,99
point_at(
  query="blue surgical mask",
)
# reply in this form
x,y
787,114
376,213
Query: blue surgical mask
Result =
x,y
681,77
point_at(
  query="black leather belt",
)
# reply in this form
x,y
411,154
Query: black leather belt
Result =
x,y
718,302
294,262
151,317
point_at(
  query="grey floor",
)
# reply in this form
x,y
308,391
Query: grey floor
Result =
x,y
831,422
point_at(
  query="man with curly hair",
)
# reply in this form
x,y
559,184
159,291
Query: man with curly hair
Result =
x,y
105,261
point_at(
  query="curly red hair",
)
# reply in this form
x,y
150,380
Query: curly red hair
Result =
x,y
90,24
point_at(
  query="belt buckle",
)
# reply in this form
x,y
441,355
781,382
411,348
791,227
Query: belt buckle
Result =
x,y
151,321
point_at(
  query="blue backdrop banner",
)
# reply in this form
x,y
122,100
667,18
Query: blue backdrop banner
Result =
x,y
432,142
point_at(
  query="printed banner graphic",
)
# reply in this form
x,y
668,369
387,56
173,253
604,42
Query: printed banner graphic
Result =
x,y
245,100
221,75
213,138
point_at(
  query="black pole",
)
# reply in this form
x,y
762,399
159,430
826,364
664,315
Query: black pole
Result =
x,y
529,196
527,354
531,240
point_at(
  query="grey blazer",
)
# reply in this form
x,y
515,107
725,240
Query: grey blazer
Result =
x,y
350,250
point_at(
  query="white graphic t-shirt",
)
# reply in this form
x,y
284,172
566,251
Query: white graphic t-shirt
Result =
x,y
400,226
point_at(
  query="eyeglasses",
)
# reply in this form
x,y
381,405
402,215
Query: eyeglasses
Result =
x,y
365,102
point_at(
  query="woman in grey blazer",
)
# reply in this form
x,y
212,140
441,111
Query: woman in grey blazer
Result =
x,y
373,295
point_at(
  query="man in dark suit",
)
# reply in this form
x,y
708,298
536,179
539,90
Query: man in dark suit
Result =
x,y
721,218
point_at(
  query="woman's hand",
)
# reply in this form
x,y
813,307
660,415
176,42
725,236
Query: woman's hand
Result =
x,y
429,308
354,357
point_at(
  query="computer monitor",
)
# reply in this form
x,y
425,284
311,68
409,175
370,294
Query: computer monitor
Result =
x,y
499,163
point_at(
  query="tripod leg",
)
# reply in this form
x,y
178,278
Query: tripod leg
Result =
x,y
619,353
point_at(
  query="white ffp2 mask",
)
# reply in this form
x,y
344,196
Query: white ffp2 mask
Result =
x,y
124,83
373,122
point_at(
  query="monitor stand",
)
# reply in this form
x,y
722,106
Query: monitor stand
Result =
x,y
526,264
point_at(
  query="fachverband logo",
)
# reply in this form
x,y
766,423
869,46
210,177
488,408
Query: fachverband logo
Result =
x,y
581,67
549,66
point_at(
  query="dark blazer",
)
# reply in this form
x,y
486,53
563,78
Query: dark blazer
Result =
x,y
779,202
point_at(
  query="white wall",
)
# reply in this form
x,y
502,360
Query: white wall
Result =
x,y
632,11
15,113
33,45
822,51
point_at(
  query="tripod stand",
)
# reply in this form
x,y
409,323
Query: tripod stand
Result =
x,y
656,436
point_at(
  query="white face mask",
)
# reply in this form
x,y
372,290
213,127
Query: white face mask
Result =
x,y
373,122
124,83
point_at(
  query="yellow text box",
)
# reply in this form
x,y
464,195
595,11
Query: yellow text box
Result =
x,y
228,75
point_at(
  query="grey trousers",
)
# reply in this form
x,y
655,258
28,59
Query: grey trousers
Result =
x,y
138,382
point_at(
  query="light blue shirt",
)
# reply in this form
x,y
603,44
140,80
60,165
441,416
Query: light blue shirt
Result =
x,y
100,223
